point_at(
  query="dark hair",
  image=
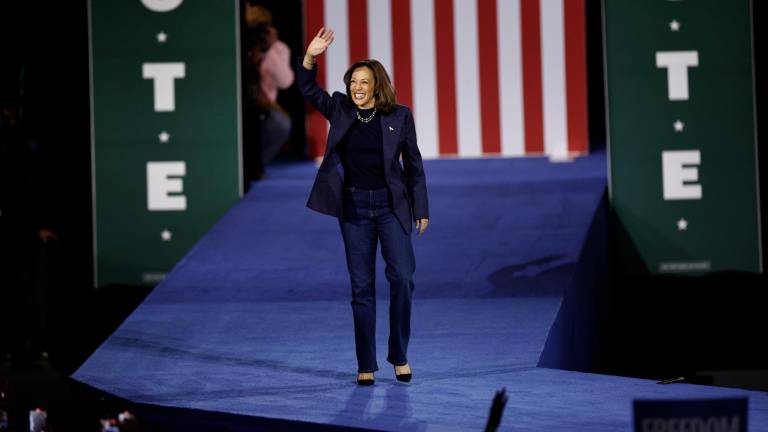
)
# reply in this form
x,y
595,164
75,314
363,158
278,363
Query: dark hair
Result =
x,y
383,92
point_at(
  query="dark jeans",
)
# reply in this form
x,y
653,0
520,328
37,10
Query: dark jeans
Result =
x,y
367,221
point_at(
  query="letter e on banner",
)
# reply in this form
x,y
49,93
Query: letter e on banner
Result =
x,y
163,178
677,174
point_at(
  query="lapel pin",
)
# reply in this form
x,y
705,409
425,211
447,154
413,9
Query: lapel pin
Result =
x,y
391,129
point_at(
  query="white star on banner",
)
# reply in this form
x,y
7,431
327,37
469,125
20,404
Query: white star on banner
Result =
x,y
164,136
682,224
679,126
162,37
674,25
166,235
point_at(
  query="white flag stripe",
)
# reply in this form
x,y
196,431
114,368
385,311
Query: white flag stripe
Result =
x,y
553,77
510,78
337,60
424,76
380,33
466,55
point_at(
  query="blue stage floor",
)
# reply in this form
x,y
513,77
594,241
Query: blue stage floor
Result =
x,y
255,320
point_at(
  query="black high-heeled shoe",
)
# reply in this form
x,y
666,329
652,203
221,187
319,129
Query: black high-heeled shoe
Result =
x,y
366,382
403,377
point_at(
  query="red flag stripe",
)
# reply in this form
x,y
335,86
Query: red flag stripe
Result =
x,y
358,30
316,124
489,76
401,51
576,74
530,28
446,77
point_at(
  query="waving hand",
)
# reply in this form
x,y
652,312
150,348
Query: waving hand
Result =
x,y
317,46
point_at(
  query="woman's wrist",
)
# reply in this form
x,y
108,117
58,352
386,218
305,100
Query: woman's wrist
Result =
x,y
309,61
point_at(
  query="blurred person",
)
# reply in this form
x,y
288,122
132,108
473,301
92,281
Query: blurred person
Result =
x,y
128,422
25,229
4,407
125,422
268,69
38,420
110,425
361,182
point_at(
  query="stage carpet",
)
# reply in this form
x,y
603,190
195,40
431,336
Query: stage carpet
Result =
x,y
255,322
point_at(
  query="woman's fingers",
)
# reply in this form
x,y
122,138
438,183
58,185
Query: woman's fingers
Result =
x,y
320,42
421,225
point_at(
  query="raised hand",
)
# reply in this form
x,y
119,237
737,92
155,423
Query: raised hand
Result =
x,y
497,409
319,44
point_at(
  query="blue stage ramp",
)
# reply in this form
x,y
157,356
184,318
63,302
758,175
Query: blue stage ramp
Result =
x,y
256,321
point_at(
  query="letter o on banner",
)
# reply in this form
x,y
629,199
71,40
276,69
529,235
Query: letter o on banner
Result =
x,y
161,5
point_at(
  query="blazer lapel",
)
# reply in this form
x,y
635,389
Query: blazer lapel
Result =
x,y
390,137
342,126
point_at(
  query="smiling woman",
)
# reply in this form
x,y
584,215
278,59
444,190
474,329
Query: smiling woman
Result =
x,y
368,86
375,198
360,87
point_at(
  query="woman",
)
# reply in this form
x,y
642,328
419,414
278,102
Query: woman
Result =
x,y
361,182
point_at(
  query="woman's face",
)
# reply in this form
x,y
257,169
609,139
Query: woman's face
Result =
x,y
361,87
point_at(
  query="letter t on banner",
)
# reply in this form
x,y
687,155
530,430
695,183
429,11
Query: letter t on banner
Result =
x,y
164,75
677,64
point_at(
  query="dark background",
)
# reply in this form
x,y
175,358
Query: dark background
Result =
x,y
705,329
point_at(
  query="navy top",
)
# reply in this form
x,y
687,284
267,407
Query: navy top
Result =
x,y
362,153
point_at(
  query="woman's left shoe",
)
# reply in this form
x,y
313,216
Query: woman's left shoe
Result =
x,y
365,379
405,376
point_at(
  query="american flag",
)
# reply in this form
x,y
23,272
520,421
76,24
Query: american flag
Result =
x,y
483,77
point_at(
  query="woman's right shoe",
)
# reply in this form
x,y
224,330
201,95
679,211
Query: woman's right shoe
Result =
x,y
368,379
404,377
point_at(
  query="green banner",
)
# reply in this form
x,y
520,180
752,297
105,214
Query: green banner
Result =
x,y
165,120
682,140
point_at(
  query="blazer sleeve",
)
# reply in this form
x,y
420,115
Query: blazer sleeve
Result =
x,y
312,92
415,179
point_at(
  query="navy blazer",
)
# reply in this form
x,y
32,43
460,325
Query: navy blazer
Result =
x,y
406,182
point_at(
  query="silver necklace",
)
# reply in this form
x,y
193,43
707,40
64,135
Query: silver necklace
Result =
x,y
366,119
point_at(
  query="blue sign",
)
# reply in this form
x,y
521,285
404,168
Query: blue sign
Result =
x,y
701,415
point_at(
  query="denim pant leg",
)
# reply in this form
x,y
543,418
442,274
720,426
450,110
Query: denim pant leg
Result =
x,y
360,242
397,251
